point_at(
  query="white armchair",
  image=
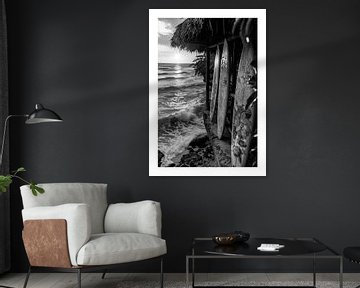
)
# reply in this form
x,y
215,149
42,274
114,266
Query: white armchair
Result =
x,y
72,228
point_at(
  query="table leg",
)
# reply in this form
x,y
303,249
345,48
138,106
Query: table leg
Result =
x,y
314,271
187,272
193,272
341,273
193,268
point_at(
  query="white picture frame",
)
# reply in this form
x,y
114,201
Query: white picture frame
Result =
x,y
154,15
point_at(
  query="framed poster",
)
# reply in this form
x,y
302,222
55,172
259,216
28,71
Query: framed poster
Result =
x,y
207,92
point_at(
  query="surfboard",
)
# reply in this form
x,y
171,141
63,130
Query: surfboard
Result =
x,y
223,90
244,111
215,84
236,24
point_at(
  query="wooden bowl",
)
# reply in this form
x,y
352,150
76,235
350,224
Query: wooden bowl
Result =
x,y
225,239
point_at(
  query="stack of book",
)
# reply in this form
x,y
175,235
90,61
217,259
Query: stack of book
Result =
x,y
270,247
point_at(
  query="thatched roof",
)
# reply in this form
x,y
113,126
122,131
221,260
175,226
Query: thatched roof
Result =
x,y
194,34
191,34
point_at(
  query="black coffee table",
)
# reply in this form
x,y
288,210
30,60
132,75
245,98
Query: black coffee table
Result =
x,y
295,248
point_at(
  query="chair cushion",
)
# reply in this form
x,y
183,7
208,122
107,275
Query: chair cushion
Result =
x,y
55,194
138,217
114,248
352,253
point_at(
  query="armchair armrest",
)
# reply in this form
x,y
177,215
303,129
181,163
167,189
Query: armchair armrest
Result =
x,y
138,217
77,217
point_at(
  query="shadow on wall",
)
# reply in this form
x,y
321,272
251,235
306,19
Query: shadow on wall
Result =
x,y
312,119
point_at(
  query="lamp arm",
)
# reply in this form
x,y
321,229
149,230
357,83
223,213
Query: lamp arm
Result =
x,y
4,134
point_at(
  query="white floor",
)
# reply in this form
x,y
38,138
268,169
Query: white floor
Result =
x,y
115,280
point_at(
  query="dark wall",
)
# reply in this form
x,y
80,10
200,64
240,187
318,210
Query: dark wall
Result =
x,y
88,60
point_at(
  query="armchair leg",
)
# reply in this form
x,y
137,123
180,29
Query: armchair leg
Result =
x,y
79,277
27,277
103,275
161,273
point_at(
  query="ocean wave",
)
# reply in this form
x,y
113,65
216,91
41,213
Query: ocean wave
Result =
x,y
169,68
194,114
176,73
183,116
184,86
172,78
181,98
175,148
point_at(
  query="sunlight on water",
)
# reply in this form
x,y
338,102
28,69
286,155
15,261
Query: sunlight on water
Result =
x,y
177,68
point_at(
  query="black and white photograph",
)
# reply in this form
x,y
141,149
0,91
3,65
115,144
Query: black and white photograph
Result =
x,y
207,95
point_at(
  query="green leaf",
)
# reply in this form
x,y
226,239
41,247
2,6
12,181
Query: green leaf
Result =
x,y
36,189
32,187
20,169
5,182
39,189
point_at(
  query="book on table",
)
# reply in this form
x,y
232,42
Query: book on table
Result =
x,y
270,247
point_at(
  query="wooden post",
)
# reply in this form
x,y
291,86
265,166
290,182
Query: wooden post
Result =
x,y
207,78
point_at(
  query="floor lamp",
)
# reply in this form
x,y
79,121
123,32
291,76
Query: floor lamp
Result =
x,y
39,115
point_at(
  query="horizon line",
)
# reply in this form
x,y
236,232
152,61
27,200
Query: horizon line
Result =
x,y
175,63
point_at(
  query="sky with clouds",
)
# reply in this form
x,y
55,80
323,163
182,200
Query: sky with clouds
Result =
x,y
168,54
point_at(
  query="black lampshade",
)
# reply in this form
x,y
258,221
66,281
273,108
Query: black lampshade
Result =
x,y
42,115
